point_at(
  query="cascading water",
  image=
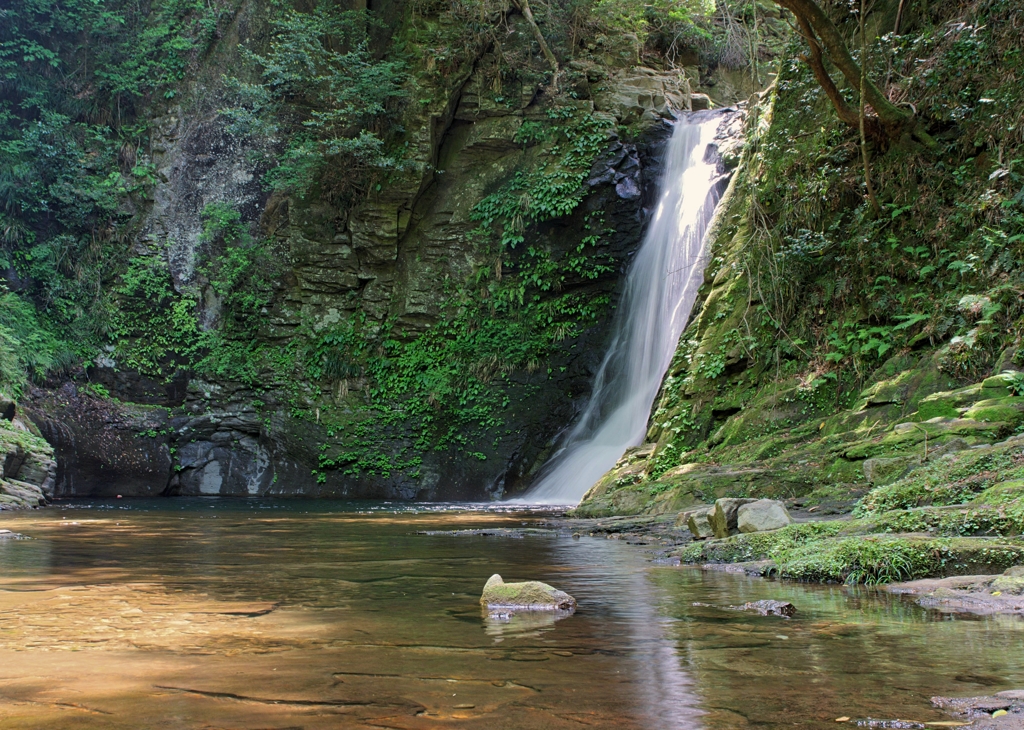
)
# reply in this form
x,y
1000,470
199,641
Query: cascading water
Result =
x,y
660,290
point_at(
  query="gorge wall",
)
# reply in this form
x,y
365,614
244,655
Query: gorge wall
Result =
x,y
419,333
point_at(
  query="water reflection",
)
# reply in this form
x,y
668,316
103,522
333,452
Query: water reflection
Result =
x,y
204,614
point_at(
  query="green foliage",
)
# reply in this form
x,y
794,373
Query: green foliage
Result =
x,y
320,66
74,75
555,187
155,328
856,288
946,481
758,545
27,347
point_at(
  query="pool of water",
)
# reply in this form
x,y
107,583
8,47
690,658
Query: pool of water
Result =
x,y
256,615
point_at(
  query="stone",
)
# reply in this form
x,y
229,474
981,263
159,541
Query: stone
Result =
x,y
1011,582
761,515
768,608
723,517
700,102
699,525
531,595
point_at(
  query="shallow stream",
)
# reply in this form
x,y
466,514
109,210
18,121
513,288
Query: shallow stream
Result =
x,y
234,614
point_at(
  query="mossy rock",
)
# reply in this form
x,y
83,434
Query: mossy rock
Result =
x,y
881,471
1001,494
891,558
531,595
1010,582
1009,410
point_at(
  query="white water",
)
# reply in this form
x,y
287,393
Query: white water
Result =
x,y
660,290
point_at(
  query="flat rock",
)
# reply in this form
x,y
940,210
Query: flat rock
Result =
x,y
531,595
764,514
976,594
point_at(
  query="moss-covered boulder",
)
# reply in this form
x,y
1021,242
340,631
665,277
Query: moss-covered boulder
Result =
x,y
27,466
531,595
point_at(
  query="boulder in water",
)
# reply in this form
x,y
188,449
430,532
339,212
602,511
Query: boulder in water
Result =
x,y
723,517
768,608
531,595
761,515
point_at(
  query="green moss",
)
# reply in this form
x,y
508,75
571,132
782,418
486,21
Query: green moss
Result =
x,y
884,559
949,480
758,545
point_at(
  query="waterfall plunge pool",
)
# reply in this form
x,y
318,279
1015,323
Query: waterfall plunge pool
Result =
x,y
193,613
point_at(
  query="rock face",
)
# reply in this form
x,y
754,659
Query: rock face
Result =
x,y
761,515
527,596
27,465
723,517
103,447
387,259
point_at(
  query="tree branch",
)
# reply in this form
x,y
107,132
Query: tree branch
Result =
x,y
524,7
893,120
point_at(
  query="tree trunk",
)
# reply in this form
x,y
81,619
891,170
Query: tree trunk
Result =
x,y
524,6
814,23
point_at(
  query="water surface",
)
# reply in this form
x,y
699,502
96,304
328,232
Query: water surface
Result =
x,y
236,614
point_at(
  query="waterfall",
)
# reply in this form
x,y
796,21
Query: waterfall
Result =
x,y
659,293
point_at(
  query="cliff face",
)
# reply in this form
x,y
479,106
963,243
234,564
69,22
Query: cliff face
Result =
x,y
837,348
397,350
28,468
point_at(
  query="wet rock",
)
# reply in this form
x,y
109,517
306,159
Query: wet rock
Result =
x,y
102,446
1001,711
529,595
768,608
723,517
976,594
764,514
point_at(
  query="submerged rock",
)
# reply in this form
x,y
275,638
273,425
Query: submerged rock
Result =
x,y
764,514
977,594
531,595
768,608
